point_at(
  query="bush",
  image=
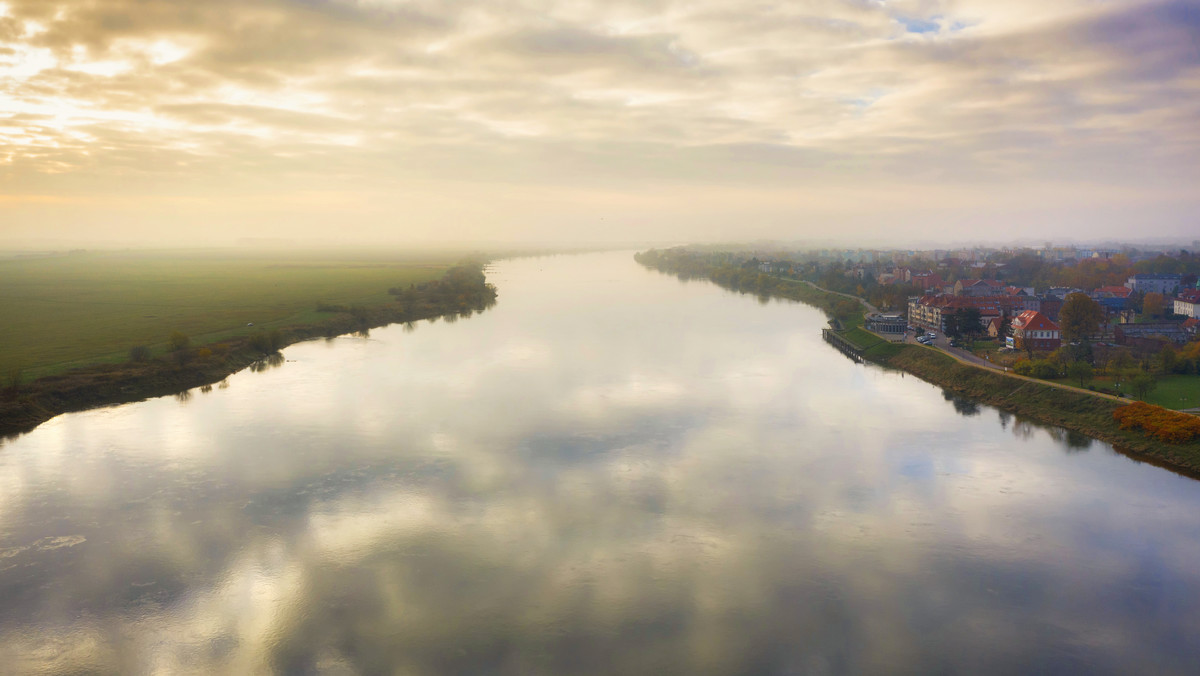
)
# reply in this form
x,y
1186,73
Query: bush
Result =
x,y
1163,424
178,341
1039,368
267,342
139,353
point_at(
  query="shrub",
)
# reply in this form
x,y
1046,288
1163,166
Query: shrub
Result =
x,y
139,353
1163,424
178,341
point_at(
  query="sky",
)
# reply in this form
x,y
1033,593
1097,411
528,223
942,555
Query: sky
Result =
x,y
417,121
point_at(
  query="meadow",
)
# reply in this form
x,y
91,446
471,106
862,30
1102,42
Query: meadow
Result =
x,y
65,310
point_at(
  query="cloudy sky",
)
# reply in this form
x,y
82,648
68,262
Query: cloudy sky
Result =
x,y
867,121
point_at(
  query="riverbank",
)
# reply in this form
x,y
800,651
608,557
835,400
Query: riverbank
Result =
x,y
1074,410
462,291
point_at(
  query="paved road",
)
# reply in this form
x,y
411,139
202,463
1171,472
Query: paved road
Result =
x,y
943,343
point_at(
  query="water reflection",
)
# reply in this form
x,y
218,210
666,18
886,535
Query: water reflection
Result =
x,y
611,472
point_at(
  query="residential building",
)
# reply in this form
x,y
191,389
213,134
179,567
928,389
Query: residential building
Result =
x,y
1033,330
1166,284
978,287
1188,303
931,311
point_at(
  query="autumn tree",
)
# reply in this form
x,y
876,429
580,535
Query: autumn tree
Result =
x,y
1152,304
1079,317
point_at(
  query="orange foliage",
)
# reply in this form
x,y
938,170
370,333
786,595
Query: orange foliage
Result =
x,y
1163,424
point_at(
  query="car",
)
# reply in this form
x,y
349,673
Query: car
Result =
x,y
953,343
924,340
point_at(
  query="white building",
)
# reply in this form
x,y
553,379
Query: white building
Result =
x,y
1166,284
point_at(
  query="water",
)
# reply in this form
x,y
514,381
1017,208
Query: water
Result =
x,y
609,472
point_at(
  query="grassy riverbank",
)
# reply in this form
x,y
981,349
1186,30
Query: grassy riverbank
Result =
x,y
461,291
1077,411
1073,410
76,309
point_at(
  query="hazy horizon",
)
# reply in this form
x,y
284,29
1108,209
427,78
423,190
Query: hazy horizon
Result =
x,y
420,122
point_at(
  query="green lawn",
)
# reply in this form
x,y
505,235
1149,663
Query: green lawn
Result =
x,y
1173,391
69,310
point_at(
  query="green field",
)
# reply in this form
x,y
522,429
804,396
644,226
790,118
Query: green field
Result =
x,y
1173,391
73,309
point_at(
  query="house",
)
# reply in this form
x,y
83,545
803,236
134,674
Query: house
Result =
x,y
1166,284
995,327
926,280
1033,330
1111,292
1191,327
1188,303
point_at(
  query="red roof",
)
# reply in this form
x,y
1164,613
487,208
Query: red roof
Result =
x,y
1191,296
1032,320
1115,291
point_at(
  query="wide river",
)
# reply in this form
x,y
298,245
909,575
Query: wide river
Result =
x,y
610,472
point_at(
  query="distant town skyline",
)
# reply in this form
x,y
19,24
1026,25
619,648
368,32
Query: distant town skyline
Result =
x,y
862,122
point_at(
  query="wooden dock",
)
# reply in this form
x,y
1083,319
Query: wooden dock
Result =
x,y
844,346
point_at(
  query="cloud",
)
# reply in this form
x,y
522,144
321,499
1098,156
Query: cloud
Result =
x,y
839,93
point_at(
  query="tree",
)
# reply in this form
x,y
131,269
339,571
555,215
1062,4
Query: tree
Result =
x,y
1081,371
139,353
1167,359
950,323
1143,384
968,321
1152,304
178,341
1079,317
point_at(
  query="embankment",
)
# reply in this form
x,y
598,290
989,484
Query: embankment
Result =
x,y
1077,411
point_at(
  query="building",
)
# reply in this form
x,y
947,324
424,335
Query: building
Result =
x,y
978,287
890,326
1034,330
995,327
931,311
1148,334
927,281
1111,292
1188,303
1166,284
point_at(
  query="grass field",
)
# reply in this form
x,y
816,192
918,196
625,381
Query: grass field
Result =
x,y
1172,391
73,309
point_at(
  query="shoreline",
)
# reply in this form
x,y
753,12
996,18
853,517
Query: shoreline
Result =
x,y
1047,403
462,291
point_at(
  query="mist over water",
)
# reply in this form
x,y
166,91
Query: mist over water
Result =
x,y
610,471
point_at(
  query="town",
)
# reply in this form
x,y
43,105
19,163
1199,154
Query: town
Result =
x,y
1123,321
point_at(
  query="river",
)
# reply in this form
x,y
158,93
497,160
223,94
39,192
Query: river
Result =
x,y
610,472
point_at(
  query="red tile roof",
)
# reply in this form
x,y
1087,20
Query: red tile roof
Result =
x,y
1115,291
1032,320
